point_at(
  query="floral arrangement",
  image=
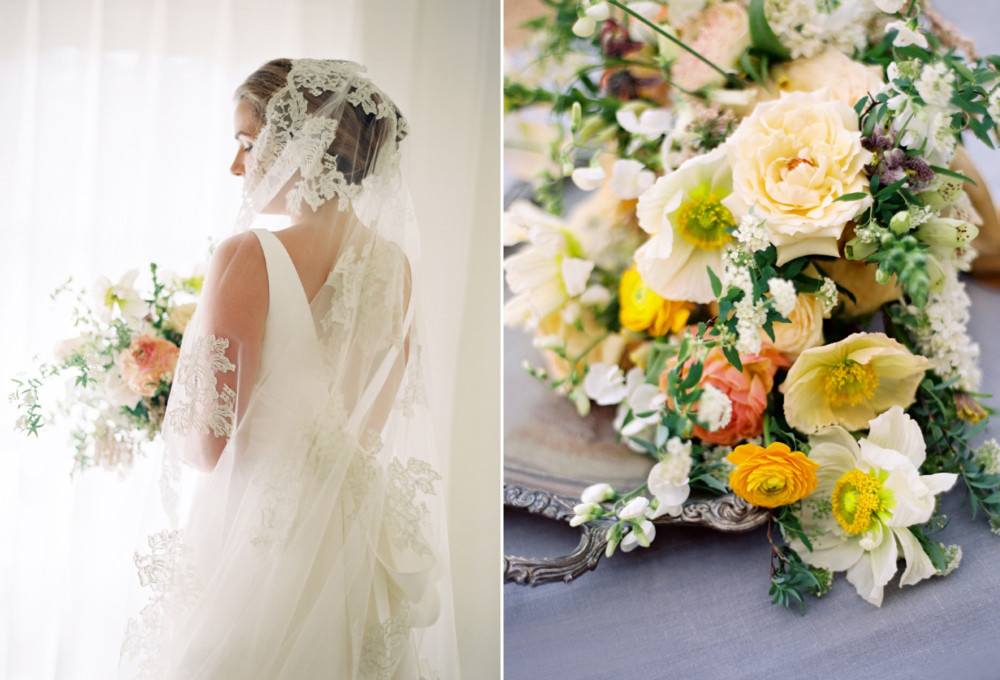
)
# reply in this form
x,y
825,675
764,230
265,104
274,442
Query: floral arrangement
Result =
x,y
120,366
763,273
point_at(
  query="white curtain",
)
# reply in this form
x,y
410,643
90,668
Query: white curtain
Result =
x,y
117,138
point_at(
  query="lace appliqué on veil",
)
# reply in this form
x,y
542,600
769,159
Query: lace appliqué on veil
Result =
x,y
197,405
382,646
405,513
168,573
367,297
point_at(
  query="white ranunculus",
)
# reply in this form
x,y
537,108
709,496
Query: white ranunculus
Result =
x,y
629,178
792,159
605,384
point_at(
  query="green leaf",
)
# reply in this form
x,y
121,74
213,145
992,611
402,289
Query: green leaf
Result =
x,y
711,482
761,36
854,196
733,357
951,173
716,283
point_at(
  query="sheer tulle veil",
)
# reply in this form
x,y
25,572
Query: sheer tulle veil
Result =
x,y
316,546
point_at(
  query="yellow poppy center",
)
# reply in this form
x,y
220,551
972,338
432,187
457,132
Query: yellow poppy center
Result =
x,y
705,222
848,383
856,500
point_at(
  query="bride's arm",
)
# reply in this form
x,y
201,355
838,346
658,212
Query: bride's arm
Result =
x,y
233,306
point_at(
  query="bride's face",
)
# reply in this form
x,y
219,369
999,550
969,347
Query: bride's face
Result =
x,y
247,126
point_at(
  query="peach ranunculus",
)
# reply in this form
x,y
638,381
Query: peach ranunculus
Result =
x,y
773,476
850,382
146,361
805,329
791,160
747,392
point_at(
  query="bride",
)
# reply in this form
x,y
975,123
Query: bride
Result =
x,y
302,532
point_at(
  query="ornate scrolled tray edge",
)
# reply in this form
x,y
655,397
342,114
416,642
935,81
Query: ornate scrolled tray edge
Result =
x,y
723,513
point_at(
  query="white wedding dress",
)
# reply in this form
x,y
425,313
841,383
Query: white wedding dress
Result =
x,y
307,551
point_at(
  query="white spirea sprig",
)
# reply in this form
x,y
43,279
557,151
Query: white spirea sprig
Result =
x,y
988,455
715,410
828,295
941,333
784,295
752,234
750,318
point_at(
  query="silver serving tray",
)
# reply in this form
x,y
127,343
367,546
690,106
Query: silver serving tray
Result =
x,y
551,454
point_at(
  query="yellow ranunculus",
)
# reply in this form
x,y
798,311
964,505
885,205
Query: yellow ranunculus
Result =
x,y
773,476
644,310
850,382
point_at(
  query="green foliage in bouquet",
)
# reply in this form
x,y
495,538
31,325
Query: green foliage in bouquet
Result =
x,y
763,273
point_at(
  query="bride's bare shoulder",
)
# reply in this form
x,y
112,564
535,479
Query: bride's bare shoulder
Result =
x,y
238,265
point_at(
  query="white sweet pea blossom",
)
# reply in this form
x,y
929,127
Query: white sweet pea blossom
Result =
x,y
598,493
645,401
668,480
890,6
906,35
651,123
584,512
122,295
634,509
584,27
639,31
631,539
630,178
588,178
599,11
605,384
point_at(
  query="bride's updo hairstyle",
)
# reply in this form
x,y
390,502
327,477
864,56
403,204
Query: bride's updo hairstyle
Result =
x,y
367,126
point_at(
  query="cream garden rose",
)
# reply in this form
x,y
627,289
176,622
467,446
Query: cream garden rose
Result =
x,y
844,79
791,160
805,329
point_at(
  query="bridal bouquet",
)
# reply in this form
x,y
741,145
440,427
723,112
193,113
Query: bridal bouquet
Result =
x,y
763,273
119,367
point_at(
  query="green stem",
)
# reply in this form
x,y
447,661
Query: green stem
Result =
x,y
635,15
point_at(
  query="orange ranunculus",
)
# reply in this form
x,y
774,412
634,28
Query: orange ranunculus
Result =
x,y
147,360
773,476
747,391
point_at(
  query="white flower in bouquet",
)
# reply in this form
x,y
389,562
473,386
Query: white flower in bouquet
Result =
x,y
645,401
688,223
650,124
668,480
720,33
117,392
180,315
791,160
869,493
64,349
548,272
605,384
631,540
906,34
639,31
630,178
598,493
122,295
588,178
890,6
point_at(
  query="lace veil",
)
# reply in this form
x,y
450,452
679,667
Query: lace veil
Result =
x,y
302,531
